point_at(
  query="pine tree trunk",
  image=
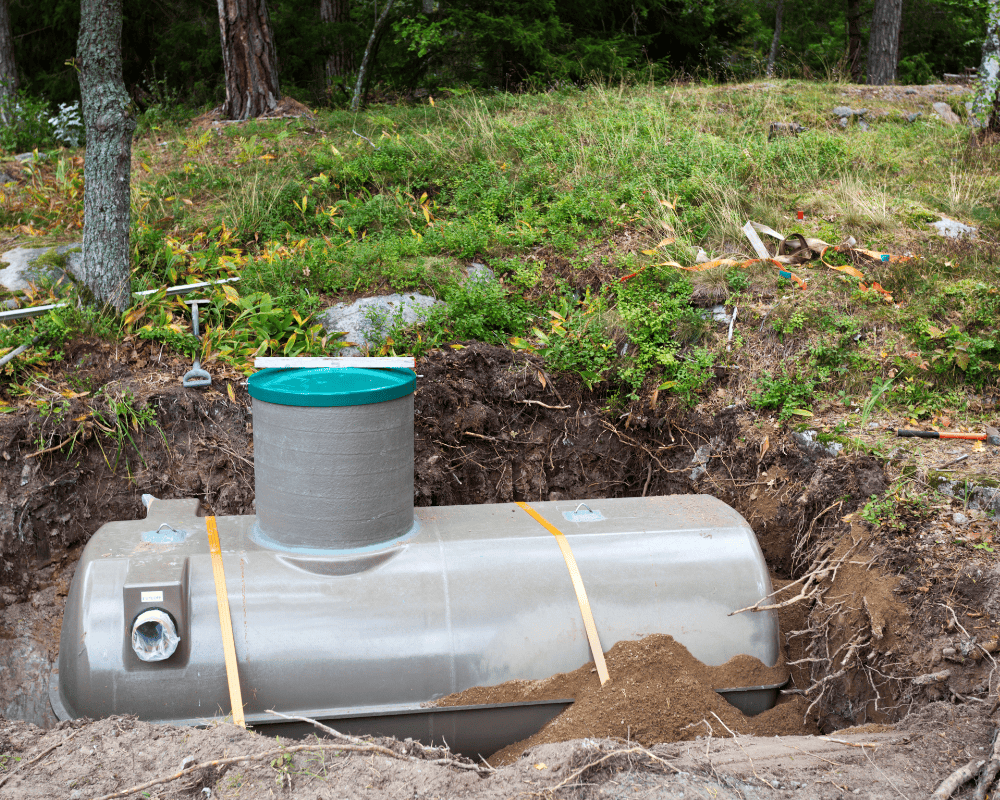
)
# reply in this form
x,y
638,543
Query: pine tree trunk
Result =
x,y
8,69
110,122
773,56
340,58
987,100
854,39
883,43
249,57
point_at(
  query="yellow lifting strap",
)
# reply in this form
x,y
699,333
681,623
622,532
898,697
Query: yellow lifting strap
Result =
x,y
581,592
226,624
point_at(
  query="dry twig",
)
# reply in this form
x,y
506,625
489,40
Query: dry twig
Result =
x,y
956,779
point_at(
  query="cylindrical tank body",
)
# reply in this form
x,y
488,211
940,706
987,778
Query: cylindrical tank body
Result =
x,y
476,596
333,457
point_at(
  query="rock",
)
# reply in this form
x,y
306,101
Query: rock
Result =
x,y
959,519
807,443
22,269
952,229
944,111
914,116
862,125
843,112
910,91
719,315
784,129
845,121
480,272
368,319
5,179
22,157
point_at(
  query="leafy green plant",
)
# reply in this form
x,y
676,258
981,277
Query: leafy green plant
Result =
x,y
790,391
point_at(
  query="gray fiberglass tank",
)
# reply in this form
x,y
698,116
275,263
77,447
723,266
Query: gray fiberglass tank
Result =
x,y
349,605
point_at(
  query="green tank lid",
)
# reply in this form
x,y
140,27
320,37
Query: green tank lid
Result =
x,y
344,386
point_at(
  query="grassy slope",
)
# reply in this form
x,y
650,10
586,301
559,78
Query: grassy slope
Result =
x,y
562,195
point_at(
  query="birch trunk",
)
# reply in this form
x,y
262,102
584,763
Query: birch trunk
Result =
x,y
883,43
987,100
108,115
369,54
249,57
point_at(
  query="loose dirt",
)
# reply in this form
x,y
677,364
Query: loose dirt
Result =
x,y
876,608
658,692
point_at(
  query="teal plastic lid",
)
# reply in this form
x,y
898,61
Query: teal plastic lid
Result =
x,y
331,386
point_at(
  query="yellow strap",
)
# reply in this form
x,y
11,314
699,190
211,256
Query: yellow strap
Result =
x,y
581,592
226,623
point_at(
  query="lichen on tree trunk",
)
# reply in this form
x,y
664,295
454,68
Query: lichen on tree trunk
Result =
x,y
110,122
987,100
249,57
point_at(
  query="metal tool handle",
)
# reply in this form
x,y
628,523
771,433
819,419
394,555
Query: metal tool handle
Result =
x,y
918,434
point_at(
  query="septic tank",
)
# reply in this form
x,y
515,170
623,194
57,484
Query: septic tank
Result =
x,y
350,606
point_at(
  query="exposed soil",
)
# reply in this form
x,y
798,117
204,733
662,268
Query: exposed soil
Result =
x,y
878,607
658,692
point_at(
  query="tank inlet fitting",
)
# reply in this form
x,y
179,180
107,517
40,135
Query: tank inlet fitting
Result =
x,y
154,635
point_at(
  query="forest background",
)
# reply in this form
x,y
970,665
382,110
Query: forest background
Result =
x,y
172,56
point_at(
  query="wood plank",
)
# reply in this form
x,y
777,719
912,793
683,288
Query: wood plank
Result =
x,y
313,362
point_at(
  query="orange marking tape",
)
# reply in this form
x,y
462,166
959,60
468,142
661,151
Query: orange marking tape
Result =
x,y
226,624
581,592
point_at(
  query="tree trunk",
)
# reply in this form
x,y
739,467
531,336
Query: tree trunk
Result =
x,y
110,122
778,14
883,43
987,100
340,58
369,54
250,60
8,69
854,39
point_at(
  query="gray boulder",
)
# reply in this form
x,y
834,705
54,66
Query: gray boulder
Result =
x,y
368,320
22,268
948,116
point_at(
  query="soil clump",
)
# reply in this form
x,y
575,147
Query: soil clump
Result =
x,y
658,692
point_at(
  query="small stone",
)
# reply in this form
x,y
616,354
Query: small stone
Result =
x,y
913,117
952,229
479,272
959,519
844,121
844,112
76,794
948,116
873,426
863,125
910,91
5,179
25,475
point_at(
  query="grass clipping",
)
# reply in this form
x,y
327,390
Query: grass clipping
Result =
x,y
658,692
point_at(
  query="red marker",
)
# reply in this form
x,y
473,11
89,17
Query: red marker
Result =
x,y
801,215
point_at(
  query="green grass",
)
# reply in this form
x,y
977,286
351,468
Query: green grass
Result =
x,y
563,194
